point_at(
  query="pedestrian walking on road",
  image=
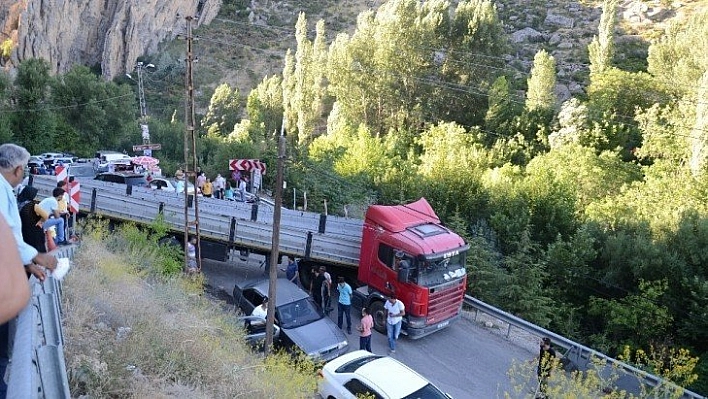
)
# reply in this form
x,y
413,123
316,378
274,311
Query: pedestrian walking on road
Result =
x,y
395,310
344,304
367,323
326,290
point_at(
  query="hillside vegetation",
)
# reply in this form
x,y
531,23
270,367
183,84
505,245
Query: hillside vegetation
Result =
x,y
587,215
131,330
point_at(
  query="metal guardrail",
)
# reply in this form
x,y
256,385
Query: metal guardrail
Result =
x,y
631,377
37,368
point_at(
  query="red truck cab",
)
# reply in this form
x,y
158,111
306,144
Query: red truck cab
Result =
x,y
432,278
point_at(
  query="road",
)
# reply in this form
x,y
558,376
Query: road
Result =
x,y
465,360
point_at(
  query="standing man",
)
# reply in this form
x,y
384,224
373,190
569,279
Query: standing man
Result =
x,y
242,189
344,304
546,362
367,323
395,310
50,206
13,159
326,290
219,186
291,272
201,179
316,286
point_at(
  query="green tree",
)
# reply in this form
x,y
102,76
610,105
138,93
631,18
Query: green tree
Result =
x,y
502,109
303,83
92,113
35,124
699,133
541,84
680,57
637,320
265,108
602,47
6,118
224,111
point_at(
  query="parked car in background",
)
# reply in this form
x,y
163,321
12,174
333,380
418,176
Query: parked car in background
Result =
x,y
363,374
302,323
35,161
129,179
82,171
165,184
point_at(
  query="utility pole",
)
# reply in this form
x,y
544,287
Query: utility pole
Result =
x,y
275,242
190,138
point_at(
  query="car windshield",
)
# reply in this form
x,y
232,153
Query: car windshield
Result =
x,y
299,313
440,270
427,392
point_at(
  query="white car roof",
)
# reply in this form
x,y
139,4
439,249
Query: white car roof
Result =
x,y
386,374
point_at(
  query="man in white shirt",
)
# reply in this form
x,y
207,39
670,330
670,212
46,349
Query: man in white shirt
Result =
x,y
261,311
13,159
219,186
242,189
50,205
395,310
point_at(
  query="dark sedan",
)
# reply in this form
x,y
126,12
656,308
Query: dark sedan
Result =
x,y
302,323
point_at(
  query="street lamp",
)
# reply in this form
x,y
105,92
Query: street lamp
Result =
x,y
139,67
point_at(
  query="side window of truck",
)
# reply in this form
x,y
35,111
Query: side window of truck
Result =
x,y
386,254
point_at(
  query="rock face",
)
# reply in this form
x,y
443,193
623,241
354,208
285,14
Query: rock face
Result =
x,y
112,33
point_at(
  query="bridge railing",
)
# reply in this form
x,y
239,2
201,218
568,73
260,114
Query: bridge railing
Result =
x,y
629,378
37,368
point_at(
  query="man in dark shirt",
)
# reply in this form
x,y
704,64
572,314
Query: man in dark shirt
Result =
x,y
546,362
316,290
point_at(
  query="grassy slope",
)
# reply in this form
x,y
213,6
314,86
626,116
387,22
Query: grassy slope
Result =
x,y
129,333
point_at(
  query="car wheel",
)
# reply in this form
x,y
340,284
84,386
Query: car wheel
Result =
x,y
378,313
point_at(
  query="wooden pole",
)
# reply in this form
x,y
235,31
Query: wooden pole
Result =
x,y
275,242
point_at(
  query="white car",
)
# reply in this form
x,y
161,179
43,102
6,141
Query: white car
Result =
x,y
161,183
363,373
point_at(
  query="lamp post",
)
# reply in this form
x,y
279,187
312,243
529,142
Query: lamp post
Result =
x,y
139,67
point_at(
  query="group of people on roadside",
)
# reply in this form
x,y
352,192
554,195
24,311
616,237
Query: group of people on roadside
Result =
x,y
220,188
321,291
18,258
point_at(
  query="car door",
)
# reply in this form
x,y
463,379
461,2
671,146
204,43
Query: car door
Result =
x,y
358,389
249,300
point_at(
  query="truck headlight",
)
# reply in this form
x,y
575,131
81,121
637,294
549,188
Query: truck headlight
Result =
x,y
342,345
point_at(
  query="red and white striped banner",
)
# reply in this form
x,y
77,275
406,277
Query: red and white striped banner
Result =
x,y
75,196
61,172
247,165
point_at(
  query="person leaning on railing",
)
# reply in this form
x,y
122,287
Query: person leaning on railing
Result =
x,y
14,288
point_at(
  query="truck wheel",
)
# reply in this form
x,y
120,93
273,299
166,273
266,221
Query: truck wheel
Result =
x,y
378,313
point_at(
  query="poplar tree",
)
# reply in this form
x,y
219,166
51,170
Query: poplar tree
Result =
x,y
540,95
699,133
602,47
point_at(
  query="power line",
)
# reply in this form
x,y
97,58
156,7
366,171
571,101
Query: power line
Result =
x,y
54,108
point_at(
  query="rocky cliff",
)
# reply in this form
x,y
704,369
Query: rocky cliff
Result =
x,y
112,33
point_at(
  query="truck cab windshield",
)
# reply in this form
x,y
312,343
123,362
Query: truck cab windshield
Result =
x,y
433,271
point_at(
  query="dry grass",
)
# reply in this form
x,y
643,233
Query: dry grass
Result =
x,y
133,335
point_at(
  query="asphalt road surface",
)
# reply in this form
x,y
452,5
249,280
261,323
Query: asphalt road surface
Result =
x,y
465,359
